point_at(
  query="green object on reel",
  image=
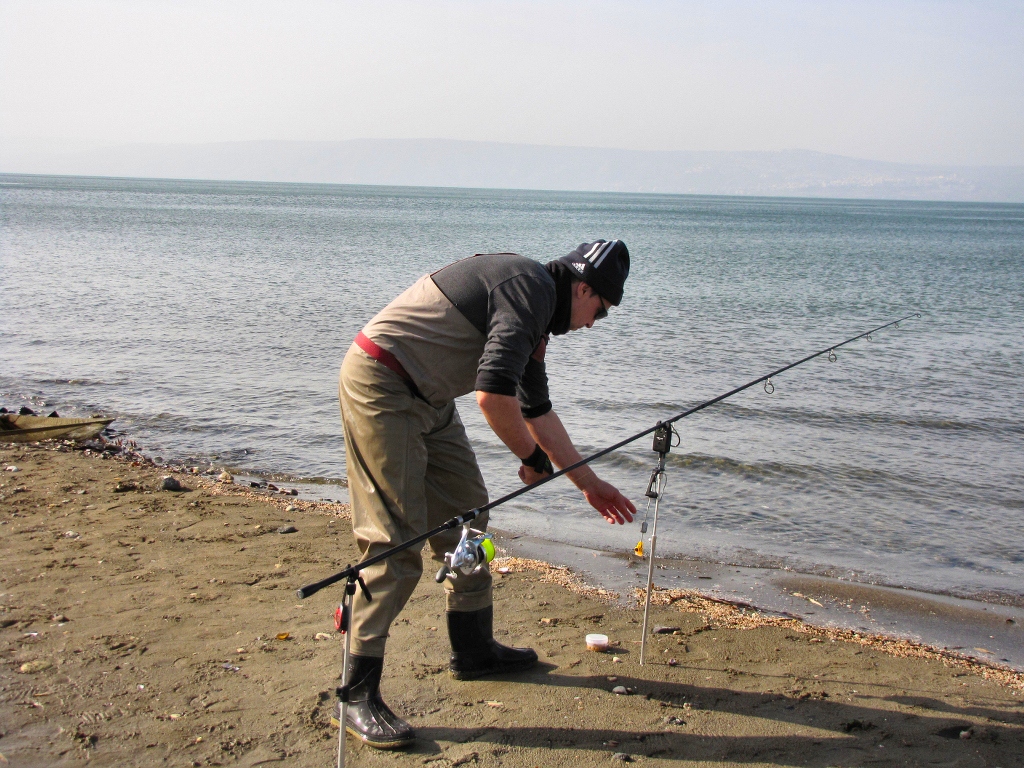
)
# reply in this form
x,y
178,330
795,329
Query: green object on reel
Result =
x,y
488,547
471,554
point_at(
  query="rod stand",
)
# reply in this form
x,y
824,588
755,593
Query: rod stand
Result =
x,y
655,490
344,625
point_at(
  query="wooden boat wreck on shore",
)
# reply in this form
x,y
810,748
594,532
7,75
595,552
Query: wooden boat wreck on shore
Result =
x,y
28,429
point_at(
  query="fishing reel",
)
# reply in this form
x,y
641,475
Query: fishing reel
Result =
x,y
474,551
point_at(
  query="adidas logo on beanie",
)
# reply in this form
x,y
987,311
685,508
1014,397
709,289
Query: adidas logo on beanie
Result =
x,y
603,265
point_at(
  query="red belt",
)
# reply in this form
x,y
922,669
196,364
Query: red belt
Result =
x,y
386,359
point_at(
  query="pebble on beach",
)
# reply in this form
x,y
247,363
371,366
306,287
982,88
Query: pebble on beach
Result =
x,y
225,477
170,484
287,529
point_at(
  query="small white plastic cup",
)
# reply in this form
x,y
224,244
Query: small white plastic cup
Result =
x,y
597,642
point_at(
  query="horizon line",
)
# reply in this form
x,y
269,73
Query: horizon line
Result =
x,y
487,142
804,198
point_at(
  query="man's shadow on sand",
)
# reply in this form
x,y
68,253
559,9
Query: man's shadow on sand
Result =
x,y
859,733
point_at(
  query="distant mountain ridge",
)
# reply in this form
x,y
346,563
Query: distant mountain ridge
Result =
x,y
452,163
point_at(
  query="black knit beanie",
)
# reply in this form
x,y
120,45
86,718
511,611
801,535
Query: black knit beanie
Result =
x,y
603,265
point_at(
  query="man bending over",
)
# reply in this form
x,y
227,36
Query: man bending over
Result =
x,y
479,324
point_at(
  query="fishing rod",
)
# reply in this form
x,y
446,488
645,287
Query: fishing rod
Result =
x,y
466,517
472,554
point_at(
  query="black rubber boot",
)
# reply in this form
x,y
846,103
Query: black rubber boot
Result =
x,y
476,653
369,718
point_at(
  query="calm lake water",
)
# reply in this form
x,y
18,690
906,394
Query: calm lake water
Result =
x,y
211,318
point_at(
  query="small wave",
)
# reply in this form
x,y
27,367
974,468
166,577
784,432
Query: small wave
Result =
x,y
281,477
222,461
836,418
79,382
847,418
874,481
752,470
624,461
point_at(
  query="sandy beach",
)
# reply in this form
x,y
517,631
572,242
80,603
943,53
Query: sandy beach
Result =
x,y
141,627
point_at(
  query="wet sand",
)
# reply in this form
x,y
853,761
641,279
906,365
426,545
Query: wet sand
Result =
x,y
146,627
991,632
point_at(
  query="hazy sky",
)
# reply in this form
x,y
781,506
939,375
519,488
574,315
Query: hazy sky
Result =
x,y
937,82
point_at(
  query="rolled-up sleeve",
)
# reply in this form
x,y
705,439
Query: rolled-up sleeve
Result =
x,y
519,309
532,391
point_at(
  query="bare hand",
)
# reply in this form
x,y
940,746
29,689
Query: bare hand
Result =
x,y
529,475
606,499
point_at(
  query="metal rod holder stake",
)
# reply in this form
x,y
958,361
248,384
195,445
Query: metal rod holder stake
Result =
x,y
345,627
655,490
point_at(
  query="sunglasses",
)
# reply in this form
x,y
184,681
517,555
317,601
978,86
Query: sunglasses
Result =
x,y
602,313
